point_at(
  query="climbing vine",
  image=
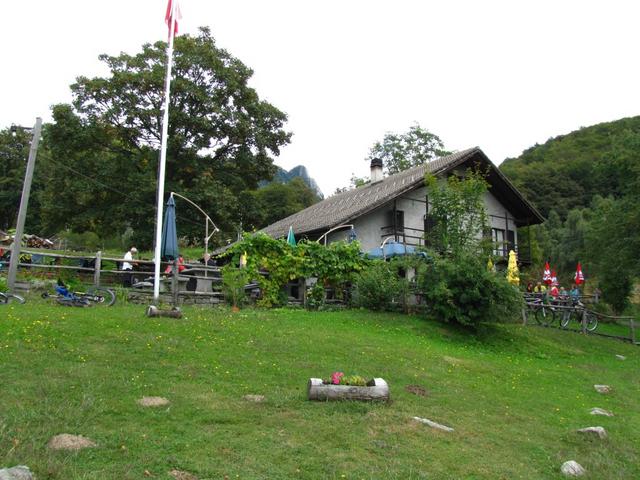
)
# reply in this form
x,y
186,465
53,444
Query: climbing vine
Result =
x,y
273,263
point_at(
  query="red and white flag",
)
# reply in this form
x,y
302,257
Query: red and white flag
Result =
x,y
578,277
546,274
173,12
554,278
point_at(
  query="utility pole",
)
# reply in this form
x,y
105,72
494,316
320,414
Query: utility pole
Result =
x,y
22,212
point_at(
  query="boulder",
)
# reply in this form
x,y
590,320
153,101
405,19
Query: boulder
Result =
x,y
621,357
599,431
19,472
602,388
572,469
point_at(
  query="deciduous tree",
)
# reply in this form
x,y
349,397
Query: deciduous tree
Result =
x,y
222,139
399,152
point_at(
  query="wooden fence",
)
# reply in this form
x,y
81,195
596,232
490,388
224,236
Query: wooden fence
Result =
x,y
558,309
96,268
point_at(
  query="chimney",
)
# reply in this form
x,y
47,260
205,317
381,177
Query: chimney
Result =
x,y
376,170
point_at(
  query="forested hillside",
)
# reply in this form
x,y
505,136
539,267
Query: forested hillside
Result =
x,y
587,184
568,171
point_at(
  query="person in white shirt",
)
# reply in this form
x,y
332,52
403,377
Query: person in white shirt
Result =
x,y
128,267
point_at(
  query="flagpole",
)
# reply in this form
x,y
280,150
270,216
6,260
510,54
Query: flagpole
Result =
x,y
163,156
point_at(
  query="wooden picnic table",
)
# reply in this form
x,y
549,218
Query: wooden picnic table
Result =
x,y
204,278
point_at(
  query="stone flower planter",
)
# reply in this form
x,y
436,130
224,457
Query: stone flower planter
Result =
x,y
376,389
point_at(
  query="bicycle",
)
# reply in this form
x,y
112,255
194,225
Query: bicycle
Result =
x,y
93,296
6,298
543,312
577,312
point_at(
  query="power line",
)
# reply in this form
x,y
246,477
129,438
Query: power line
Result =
x,y
112,189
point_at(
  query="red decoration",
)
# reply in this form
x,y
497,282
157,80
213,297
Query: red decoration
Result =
x,y
173,12
578,277
546,275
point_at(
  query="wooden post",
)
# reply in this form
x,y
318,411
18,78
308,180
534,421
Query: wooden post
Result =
x,y
633,331
524,316
584,321
174,282
97,266
22,211
153,311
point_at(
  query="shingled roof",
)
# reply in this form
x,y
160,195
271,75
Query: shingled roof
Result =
x,y
344,207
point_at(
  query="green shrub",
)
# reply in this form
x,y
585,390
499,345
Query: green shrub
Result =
x,y
233,283
3,284
315,296
378,287
81,241
461,290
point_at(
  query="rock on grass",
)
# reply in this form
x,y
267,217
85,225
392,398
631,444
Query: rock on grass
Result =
x,y
66,441
572,469
601,411
254,398
19,472
153,402
432,424
599,431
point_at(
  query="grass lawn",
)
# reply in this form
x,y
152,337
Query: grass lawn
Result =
x,y
514,397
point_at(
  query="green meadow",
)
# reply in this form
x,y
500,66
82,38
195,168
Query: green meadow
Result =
x,y
514,395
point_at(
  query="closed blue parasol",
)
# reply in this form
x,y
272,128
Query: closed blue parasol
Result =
x,y
391,249
169,250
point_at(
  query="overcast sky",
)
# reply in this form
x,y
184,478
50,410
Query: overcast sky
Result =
x,y
501,75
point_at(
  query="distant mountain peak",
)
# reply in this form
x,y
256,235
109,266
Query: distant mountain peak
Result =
x,y
300,171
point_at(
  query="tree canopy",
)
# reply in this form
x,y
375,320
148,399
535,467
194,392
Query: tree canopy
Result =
x,y
587,184
104,147
14,149
400,151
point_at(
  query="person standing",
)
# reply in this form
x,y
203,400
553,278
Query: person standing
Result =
x,y
128,266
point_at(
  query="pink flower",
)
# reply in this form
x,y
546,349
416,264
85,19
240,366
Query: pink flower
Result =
x,y
335,377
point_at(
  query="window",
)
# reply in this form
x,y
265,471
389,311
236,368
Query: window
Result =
x,y
511,241
398,223
498,238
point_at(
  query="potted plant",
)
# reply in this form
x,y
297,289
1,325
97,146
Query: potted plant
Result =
x,y
353,387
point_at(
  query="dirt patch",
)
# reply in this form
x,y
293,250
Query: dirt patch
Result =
x,y
153,402
417,390
66,441
181,475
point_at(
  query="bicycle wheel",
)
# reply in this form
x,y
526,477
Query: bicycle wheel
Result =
x,y
565,320
3,298
592,322
73,302
13,298
102,296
